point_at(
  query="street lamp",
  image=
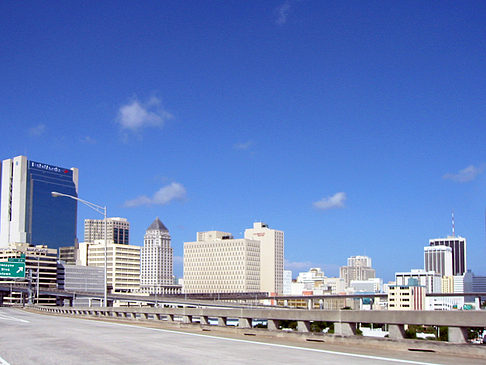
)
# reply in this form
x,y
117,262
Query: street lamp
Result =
x,y
101,210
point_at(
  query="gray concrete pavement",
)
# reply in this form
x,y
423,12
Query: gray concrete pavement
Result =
x,y
31,338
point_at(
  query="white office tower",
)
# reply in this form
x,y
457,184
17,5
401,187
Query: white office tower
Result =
x,y
218,263
156,272
287,282
438,259
118,230
458,246
359,268
271,256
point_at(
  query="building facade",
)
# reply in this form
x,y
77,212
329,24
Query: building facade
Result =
x,y
41,264
430,279
78,278
28,211
438,259
458,246
406,297
271,256
118,230
218,263
287,282
123,264
358,268
156,255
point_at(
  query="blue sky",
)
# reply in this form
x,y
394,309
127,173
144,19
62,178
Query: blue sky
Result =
x,y
355,127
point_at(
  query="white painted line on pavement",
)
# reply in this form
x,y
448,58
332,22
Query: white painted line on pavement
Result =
x,y
3,362
11,318
370,357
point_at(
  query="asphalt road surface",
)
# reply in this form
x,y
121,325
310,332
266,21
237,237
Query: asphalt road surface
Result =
x,y
31,338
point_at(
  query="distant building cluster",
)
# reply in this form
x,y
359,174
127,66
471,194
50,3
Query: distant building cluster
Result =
x,y
38,214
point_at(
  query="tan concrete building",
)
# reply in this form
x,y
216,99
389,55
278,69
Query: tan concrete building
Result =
x,y
123,264
406,297
118,230
271,256
447,284
358,268
218,263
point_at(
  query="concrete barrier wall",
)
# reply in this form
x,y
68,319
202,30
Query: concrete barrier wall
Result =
x,y
345,320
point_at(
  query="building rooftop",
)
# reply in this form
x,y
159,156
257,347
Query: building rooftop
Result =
x,y
157,225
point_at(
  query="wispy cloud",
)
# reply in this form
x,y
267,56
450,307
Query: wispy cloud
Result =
x,y
298,265
331,202
88,140
136,115
163,196
243,146
467,174
37,130
282,12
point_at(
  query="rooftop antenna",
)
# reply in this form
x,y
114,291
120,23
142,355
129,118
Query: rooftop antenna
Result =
x,y
453,225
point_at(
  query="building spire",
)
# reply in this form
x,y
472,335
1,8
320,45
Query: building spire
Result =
x,y
453,225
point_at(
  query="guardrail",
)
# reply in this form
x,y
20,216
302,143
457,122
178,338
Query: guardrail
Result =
x,y
345,321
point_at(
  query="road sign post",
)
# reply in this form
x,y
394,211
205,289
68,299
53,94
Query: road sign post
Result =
x,y
12,269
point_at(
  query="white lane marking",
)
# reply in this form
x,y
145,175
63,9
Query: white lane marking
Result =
x,y
11,318
3,362
370,357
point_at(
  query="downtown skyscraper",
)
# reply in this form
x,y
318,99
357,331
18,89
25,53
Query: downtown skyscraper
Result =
x,y
156,255
28,212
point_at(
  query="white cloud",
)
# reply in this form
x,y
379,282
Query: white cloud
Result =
x,y
298,266
243,146
136,115
467,174
335,201
88,140
282,12
37,130
163,196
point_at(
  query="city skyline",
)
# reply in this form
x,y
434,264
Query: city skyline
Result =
x,y
354,128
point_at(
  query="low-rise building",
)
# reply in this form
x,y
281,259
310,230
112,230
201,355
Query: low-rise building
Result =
x,y
406,297
83,280
40,266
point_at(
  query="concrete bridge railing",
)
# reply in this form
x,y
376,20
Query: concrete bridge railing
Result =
x,y
345,321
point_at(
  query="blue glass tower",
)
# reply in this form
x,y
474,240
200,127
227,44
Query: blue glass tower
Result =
x,y
28,212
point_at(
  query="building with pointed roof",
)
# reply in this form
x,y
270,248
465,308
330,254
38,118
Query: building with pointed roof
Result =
x,y
156,265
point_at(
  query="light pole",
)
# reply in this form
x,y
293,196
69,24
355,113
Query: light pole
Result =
x,y
101,210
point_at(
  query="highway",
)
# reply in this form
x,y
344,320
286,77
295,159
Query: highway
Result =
x,y
32,338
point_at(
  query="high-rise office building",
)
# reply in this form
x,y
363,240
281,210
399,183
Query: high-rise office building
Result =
x,y
156,273
438,259
28,212
123,264
218,263
359,268
118,230
271,256
458,246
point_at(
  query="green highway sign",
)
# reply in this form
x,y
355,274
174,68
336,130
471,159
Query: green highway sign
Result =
x,y
12,269
16,259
